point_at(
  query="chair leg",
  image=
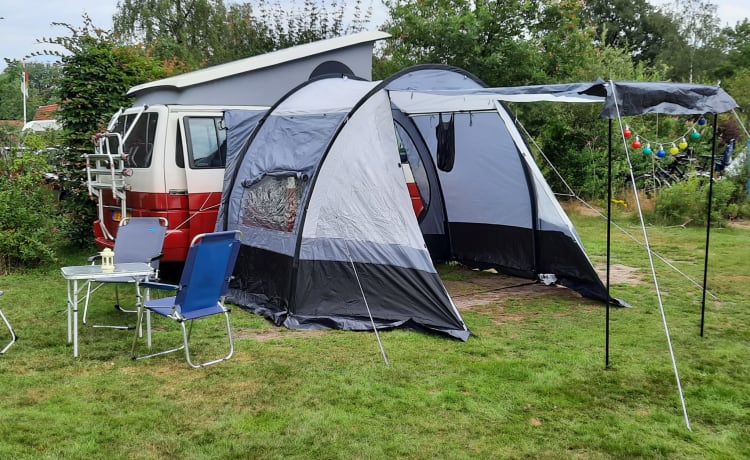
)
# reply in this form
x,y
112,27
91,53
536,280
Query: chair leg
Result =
x,y
138,325
118,306
186,336
13,336
186,333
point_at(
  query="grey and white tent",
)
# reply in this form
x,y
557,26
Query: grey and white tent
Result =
x,y
330,234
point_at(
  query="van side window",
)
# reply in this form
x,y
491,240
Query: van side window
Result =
x,y
206,142
179,152
139,146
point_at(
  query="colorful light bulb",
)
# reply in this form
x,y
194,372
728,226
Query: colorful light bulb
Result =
x,y
674,150
683,144
695,134
701,121
647,149
627,132
661,153
636,144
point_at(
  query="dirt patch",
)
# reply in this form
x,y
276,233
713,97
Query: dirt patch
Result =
x,y
484,291
576,207
619,274
739,223
281,333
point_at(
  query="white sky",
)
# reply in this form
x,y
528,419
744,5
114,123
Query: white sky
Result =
x,y
25,21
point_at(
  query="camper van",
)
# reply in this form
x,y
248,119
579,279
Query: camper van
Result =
x,y
160,161
165,156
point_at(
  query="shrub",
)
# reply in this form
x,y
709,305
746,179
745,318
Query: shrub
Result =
x,y
29,217
686,201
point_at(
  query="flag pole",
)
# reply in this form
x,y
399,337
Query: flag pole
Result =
x,y
24,90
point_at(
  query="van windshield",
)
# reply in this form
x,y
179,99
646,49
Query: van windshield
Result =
x,y
139,145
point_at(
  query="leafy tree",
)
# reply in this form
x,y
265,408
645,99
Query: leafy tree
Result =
x,y
42,88
737,42
698,52
485,37
205,32
633,25
188,30
96,75
738,86
11,99
288,25
565,42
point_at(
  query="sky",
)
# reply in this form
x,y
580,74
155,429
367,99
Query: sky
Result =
x,y
25,21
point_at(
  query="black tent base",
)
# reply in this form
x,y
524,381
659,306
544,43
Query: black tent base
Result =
x,y
280,317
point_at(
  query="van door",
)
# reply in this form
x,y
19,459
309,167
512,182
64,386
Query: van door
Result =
x,y
205,159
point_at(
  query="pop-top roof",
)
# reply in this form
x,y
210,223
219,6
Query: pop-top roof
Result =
x,y
260,61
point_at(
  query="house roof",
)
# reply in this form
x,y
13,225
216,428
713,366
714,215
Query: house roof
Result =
x,y
45,112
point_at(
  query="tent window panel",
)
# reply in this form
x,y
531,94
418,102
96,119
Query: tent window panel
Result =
x,y
206,142
273,202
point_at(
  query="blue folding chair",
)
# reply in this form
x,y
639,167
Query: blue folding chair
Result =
x,y
203,286
13,336
139,239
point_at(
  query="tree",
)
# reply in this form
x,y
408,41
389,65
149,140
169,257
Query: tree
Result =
x,y
634,25
189,30
737,42
288,25
198,33
42,88
699,51
96,75
485,37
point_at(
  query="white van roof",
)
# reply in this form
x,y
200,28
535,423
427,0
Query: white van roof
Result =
x,y
173,89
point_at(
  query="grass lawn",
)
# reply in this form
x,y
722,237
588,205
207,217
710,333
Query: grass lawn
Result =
x,y
529,383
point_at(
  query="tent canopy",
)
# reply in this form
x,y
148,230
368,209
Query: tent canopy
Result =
x,y
623,98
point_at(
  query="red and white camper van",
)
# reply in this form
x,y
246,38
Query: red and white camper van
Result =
x,y
165,156
160,161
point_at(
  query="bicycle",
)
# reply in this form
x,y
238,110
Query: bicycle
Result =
x,y
680,168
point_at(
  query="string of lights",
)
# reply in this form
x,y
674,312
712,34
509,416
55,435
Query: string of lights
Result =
x,y
674,146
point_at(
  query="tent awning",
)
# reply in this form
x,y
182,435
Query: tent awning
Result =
x,y
619,98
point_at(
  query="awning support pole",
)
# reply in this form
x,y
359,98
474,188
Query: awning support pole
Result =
x,y
708,220
609,239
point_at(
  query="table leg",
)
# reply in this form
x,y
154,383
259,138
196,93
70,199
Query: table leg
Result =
x,y
75,318
148,320
69,312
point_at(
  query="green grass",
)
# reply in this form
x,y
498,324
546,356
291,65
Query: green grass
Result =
x,y
530,382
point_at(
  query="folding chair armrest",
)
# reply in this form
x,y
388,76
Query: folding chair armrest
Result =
x,y
94,258
162,286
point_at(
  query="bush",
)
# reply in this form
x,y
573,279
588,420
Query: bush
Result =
x,y
686,201
29,217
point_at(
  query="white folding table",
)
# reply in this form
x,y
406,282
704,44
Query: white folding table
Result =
x,y
137,270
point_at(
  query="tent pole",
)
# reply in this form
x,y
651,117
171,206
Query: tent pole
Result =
x,y
609,239
708,220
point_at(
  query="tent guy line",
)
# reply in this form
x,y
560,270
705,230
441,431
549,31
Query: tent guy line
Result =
x,y
572,194
651,265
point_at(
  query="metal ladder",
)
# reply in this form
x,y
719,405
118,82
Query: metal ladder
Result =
x,y
105,169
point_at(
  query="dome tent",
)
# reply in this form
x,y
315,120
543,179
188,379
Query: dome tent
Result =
x,y
330,237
